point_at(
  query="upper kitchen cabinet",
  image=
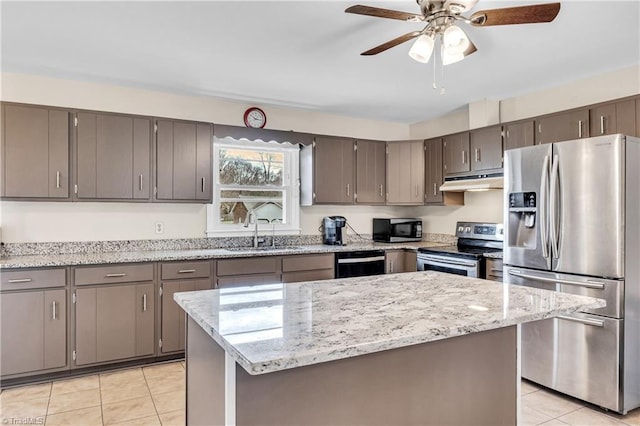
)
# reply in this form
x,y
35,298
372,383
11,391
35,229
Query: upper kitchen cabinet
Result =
x,y
370,172
614,117
405,173
456,153
519,135
35,152
183,161
333,170
486,148
112,157
563,126
434,177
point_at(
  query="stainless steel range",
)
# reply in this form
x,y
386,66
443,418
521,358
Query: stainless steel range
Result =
x,y
467,257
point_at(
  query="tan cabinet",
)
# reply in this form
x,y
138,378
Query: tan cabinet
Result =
x,y
177,277
114,313
456,153
563,126
370,172
333,170
33,322
112,157
434,177
248,271
397,261
494,269
518,135
308,267
183,161
614,117
486,149
405,173
35,152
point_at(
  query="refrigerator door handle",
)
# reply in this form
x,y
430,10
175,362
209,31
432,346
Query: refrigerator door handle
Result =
x,y
553,206
544,231
594,284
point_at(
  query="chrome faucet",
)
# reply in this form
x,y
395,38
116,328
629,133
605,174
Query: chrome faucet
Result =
x,y
251,214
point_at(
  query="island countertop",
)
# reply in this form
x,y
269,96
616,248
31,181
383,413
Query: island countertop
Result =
x,y
275,327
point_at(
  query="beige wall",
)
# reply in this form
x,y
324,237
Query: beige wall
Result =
x,y
47,221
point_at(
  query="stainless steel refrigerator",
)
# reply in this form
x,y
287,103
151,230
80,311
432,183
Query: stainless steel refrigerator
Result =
x,y
572,225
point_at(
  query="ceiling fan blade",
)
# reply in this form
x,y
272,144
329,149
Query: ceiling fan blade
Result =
x,y
391,43
384,13
516,15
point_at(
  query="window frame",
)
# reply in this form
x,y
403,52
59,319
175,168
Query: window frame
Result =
x,y
290,188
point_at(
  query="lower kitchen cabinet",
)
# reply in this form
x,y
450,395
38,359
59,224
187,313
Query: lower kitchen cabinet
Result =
x,y
177,277
33,322
308,267
114,317
248,271
397,261
494,270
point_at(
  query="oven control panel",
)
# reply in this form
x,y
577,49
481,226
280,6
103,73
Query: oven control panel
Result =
x,y
480,231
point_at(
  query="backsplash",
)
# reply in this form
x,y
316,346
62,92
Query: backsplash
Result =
x,y
29,249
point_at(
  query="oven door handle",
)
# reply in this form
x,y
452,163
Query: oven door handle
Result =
x,y
448,261
361,259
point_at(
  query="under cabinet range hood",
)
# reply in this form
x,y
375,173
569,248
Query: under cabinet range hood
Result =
x,y
473,183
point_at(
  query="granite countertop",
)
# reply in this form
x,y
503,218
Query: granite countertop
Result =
x,y
493,255
276,327
54,260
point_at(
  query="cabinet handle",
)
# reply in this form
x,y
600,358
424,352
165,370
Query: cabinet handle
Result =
x,y
348,190
122,274
203,186
478,158
20,280
186,271
140,182
463,157
144,302
434,189
381,191
58,179
602,124
579,128
53,310
496,269
391,266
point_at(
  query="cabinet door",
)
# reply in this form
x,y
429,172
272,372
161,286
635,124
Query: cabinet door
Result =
x,y
112,156
370,172
145,319
616,117
394,261
245,280
23,331
456,153
563,127
35,145
333,170
183,161
173,317
433,172
405,172
55,328
486,148
518,135
637,133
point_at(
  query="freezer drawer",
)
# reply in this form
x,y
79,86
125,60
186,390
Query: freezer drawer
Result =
x,y
610,290
579,355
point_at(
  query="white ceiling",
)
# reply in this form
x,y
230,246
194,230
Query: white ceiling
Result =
x,y
306,54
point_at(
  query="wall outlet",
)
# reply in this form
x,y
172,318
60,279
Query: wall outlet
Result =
x,y
159,228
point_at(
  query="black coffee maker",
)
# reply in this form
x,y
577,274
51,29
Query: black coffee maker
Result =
x,y
332,230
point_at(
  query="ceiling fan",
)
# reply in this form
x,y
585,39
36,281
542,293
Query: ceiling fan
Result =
x,y
441,18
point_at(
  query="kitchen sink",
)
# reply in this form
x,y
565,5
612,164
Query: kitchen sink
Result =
x,y
263,248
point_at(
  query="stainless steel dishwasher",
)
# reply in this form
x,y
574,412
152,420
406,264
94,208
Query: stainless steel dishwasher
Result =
x,y
359,263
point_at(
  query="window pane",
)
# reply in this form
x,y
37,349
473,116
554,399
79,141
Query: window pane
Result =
x,y
250,167
236,211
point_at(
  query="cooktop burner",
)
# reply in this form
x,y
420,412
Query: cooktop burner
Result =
x,y
474,240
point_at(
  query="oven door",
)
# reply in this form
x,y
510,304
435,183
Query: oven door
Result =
x,y
450,265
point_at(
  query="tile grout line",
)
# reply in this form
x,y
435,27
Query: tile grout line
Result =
x,y
101,408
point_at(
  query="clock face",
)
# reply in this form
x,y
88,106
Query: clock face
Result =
x,y
255,117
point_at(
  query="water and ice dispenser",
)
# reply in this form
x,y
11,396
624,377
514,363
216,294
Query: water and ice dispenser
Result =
x,y
522,219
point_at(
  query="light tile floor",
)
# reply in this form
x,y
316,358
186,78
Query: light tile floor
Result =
x,y
154,395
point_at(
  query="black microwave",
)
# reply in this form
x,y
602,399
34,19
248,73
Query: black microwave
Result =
x,y
397,230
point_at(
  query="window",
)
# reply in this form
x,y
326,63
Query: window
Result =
x,y
254,176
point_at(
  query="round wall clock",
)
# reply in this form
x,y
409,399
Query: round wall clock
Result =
x,y
255,117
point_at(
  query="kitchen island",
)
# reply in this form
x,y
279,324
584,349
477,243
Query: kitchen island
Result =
x,y
414,348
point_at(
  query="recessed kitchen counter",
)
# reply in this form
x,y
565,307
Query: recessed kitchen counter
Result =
x,y
53,260
278,327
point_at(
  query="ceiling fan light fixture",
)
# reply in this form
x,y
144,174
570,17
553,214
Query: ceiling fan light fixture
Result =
x,y
449,57
455,40
422,48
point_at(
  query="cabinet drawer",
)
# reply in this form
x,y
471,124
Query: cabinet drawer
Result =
x,y
307,262
494,268
113,274
315,275
24,280
185,270
255,265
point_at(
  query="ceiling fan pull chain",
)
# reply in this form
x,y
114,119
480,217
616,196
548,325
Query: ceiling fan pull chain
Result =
x,y
442,71
434,85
